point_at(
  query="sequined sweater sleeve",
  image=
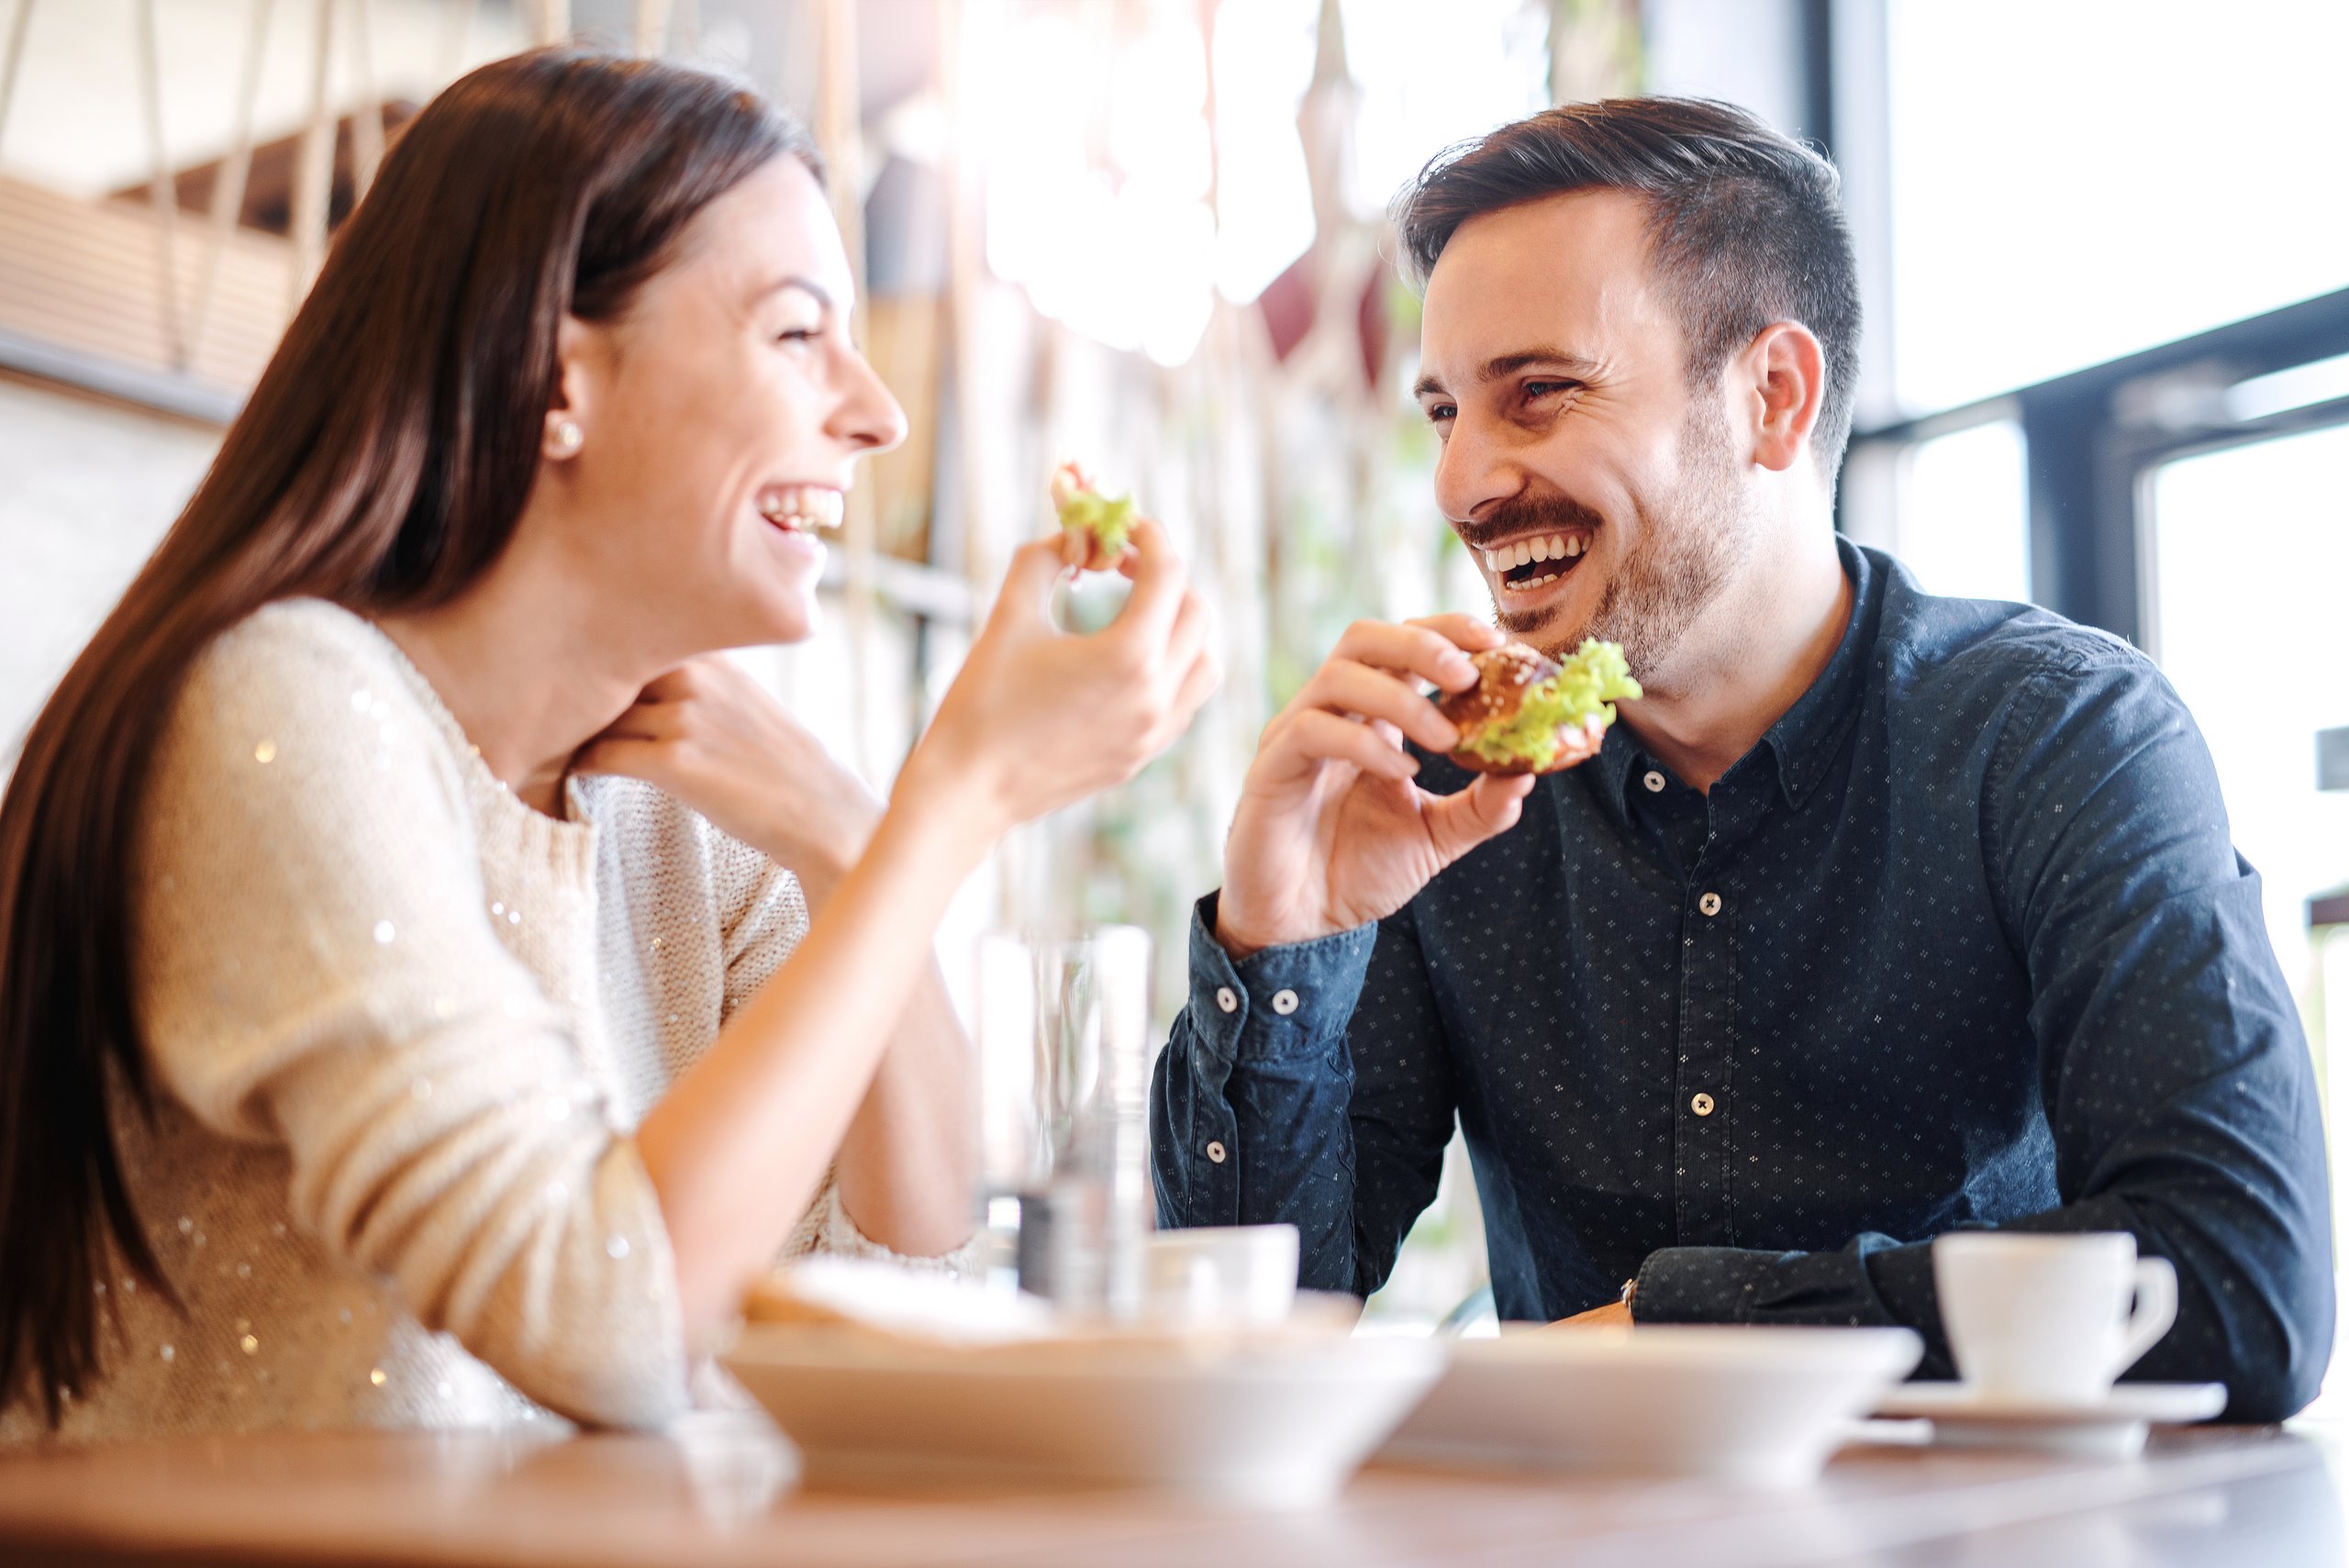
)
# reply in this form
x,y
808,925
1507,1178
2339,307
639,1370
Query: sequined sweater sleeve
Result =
x,y
314,966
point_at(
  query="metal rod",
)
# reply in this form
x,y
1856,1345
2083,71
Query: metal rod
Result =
x,y
314,169
229,189
651,26
18,27
838,112
457,42
367,118
161,189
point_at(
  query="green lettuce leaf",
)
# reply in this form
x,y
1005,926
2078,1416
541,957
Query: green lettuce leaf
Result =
x,y
1088,511
1589,681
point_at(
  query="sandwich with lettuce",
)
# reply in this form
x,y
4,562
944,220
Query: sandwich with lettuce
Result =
x,y
1523,711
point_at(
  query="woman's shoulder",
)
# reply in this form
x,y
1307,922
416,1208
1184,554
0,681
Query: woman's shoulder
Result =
x,y
298,649
299,693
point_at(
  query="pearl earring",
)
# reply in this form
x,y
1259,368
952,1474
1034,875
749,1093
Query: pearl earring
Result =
x,y
567,436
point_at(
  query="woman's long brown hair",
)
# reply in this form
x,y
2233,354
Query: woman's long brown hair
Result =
x,y
380,464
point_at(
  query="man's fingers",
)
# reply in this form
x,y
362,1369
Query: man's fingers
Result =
x,y
1491,806
1345,686
1467,632
1320,736
1417,651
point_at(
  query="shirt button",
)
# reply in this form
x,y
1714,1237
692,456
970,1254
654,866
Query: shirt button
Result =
x,y
1702,1105
1654,781
1215,1153
1226,1000
1709,904
1283,1002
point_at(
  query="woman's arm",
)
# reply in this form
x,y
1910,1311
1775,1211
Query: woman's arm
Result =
x,y
731,752
1036,719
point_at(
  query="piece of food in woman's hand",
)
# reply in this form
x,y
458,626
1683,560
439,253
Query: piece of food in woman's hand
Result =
x,y
1524,708
1084,510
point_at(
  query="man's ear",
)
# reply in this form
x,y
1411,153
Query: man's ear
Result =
x,y
1786,381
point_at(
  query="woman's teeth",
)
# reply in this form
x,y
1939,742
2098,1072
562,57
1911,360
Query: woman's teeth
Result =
x,y
802,506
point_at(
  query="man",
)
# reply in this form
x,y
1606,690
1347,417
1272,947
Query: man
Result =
x,y
1880,915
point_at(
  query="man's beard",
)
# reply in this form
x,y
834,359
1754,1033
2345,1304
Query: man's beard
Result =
x,y
1690,546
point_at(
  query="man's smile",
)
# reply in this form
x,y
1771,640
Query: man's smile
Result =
x,y
1537,561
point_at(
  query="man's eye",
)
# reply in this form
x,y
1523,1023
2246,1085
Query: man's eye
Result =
x,y
1548,388
1439,413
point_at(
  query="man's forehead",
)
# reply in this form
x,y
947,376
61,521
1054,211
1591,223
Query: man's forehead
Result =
x,y
1570,271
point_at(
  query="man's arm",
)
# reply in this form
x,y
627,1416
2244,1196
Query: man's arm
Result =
x,y
1306,1084
2175,1076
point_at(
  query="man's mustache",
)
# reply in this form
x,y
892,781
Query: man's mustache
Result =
x,y
1521,515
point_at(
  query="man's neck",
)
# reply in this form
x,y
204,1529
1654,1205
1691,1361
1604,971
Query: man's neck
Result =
x,y
530,669
1750,659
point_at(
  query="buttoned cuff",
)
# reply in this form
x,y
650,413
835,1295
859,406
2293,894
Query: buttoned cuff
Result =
x,y
1278,1003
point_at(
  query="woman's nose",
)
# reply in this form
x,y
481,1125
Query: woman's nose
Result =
x,y
868,417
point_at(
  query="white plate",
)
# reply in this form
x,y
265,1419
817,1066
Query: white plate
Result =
x,y
1756,1406
2112,1427
1275,1420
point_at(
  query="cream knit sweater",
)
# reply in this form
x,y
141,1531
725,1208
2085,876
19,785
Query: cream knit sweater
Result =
x,y
401,1029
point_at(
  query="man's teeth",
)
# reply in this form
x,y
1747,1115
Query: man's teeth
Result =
x,y
803,506
1525,552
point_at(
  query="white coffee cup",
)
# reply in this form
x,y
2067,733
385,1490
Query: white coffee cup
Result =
x,y
1223,1274
2046,1316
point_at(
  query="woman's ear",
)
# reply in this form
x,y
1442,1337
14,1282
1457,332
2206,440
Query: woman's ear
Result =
x,y
1787,373
568,411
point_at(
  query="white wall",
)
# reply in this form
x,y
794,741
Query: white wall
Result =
x,y
86,488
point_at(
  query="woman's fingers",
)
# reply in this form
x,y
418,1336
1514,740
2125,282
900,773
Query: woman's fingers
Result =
x,y
1345,686
1026,596
1160,585
625,754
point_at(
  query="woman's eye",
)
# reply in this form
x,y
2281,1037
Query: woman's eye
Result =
x,y
797,335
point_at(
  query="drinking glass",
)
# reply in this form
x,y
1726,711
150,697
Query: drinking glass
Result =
x,y
1064,1109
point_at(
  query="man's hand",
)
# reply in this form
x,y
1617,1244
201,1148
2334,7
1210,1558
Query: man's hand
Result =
x,y
1331,832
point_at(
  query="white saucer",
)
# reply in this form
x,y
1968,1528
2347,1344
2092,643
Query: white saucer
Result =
x,y
2111,1427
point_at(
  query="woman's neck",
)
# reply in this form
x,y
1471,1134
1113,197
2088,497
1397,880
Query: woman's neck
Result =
x,y
530,669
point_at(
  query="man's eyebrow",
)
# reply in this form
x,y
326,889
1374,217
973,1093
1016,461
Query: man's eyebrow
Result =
x,y
1509,364
805,285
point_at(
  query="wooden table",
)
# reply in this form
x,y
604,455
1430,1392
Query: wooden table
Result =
x,y
721,1491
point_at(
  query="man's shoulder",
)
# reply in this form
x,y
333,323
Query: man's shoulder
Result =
x,y
1934,645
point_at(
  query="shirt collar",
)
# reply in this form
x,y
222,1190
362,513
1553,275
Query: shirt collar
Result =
x,y
1807,736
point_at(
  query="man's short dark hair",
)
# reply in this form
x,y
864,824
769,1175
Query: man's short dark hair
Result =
x,y
1744,225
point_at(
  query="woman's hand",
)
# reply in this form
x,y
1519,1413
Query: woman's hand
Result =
x,y
709,735
1037,719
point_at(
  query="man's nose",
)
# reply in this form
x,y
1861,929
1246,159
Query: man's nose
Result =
x,y
1473,471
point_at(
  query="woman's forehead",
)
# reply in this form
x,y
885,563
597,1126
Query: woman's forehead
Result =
x,y
774,228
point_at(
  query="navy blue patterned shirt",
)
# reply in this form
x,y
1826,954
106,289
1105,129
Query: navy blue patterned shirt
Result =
x,y
1962,941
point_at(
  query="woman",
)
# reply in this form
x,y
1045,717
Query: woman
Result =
x,y
377,1046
